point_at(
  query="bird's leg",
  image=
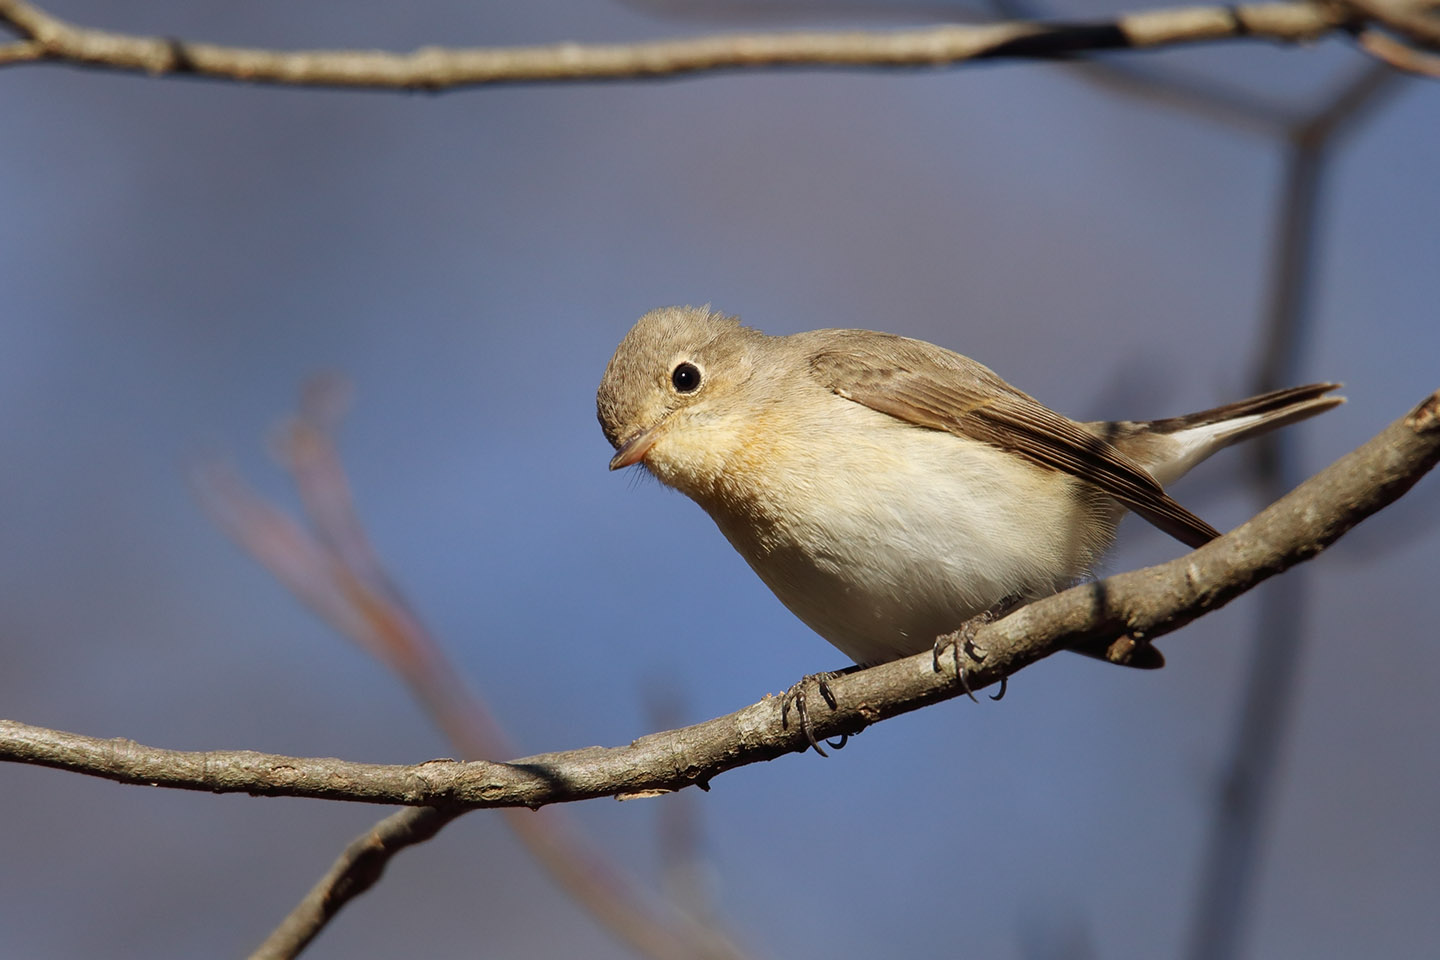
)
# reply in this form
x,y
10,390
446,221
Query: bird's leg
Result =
x,y
963,640
955,641
796,695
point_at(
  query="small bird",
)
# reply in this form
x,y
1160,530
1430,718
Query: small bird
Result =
x,y
888,490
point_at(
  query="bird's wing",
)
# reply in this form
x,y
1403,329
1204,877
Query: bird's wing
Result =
x,y
926,385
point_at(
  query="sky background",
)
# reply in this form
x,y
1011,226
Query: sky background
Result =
x,y
177,257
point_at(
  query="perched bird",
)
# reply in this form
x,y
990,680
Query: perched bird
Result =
x,y
886,489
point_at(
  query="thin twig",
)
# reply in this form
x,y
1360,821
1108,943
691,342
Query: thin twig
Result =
x,y
1414,19
1134,607
356,870
1399,55
26,51
436,68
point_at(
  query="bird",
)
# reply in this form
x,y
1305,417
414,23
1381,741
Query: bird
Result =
x,y
888,490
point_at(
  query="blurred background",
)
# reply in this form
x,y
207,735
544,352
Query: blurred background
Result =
x,y
178,257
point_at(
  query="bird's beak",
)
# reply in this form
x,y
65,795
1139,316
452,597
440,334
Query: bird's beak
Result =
x,y
633,450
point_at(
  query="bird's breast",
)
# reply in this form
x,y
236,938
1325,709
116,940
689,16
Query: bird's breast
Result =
x,y
881,535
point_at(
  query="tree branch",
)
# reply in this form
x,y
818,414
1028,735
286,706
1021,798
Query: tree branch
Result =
x,y
356,870
1392,52
437,68
24,51
1414,19
1123,611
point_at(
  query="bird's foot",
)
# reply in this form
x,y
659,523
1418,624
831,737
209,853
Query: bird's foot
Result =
x,y
796,696
963,641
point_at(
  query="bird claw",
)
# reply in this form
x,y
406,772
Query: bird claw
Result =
x,y
796,696
964,640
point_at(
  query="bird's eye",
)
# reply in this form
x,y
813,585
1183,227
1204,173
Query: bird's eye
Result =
x,y
686,377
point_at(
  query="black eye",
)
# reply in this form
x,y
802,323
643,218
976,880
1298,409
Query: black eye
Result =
x,y
686,378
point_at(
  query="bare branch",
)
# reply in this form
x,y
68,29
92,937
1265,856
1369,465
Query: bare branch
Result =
x,y
1401,56
1124,610
354,871
437,68
1414,19
610,897
26,51
1418,21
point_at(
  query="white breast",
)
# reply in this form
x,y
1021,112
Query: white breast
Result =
x,y
882,544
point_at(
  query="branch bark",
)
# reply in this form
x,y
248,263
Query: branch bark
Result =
x,y
49,38
1122,611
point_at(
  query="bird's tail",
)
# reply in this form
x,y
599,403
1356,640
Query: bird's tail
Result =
x,y
1168,448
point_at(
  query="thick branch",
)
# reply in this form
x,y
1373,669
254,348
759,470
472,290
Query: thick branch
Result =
x,y
1124,610
436,68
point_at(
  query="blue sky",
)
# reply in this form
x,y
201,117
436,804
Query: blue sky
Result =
x,y
178,256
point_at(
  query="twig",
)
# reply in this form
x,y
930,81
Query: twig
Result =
x,y
436,68
1401,56
1413,19
360,866
26,51
355,871
1133,607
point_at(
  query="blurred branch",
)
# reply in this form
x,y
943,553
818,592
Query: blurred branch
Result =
x,y
1121,611
437,68
338,574
1414,19
678,824
26,51
334,571
1242,800
1388,50
1308,143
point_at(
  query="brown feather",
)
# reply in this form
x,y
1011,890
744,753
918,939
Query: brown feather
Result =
x,y
1284,407
930,387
